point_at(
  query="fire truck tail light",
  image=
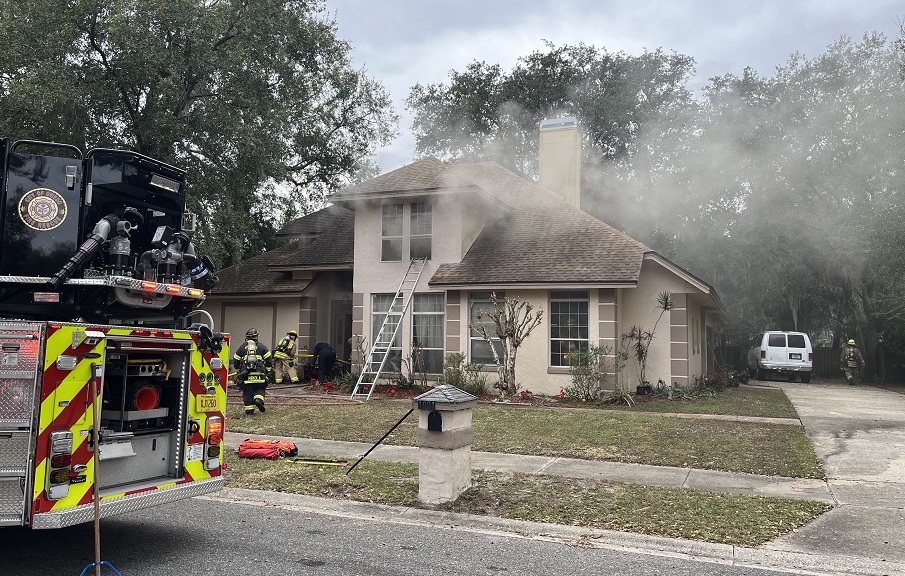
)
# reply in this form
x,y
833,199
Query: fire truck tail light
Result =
x,y
61,442
60,460
58,473
213,451
173,289
60,476
195,293
151,286
214,430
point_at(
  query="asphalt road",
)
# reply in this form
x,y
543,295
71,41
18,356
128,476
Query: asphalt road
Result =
x,y
202,537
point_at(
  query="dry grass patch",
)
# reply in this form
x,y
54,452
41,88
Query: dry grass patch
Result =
x,y
677,513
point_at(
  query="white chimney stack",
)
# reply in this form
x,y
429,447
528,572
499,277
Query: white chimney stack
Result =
x,y
560,158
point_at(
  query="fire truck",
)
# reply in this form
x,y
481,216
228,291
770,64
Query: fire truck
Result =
x,y
112,378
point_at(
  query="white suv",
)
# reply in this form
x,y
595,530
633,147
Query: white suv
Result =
x,y
782,353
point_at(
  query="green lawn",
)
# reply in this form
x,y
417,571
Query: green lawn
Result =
x,y
643,438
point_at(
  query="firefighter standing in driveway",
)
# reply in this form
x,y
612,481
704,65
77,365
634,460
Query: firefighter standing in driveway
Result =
x,y
284,358
252,361
325,357
852,361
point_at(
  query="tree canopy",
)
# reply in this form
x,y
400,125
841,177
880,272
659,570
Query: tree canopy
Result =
x,y
258,101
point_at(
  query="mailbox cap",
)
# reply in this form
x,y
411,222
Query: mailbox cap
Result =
x,y
445,394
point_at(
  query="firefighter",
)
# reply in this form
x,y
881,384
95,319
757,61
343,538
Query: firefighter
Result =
x,y
325,358
253,365
852,362
284,358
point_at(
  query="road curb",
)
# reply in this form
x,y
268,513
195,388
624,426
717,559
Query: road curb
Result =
x,y
763,557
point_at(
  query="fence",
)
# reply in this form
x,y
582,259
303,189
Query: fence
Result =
x,y
826,363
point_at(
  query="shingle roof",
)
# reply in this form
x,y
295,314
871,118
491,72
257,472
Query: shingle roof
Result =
x,y
323,240
425,174
332,231
253,276
323,220
542,240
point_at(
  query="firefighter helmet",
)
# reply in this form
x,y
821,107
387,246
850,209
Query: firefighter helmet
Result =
x,y
851,342
293,333
251,334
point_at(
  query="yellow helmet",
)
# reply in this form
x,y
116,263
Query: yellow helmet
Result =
x,y
851,342
293,333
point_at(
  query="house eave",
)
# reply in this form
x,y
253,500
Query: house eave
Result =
x,y
408,194
688,277
347,267
484,286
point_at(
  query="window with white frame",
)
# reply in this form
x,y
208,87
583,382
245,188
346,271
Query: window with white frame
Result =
x,y
380,306
481,309
568,324
420,230
405,226
391,233
427,331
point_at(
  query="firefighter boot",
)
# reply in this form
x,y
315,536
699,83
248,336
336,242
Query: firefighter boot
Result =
x,y
249,410
259,402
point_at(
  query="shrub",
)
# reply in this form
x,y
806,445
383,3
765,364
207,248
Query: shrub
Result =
x,y
590,370
464,375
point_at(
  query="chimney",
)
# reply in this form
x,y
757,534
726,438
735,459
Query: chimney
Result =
x,y
560,158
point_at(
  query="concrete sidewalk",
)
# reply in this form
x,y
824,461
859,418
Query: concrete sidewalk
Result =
x,y
857,432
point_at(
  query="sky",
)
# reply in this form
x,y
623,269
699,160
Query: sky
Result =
x,y
404,42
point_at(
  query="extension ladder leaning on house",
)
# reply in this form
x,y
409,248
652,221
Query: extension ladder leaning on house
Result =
x,y
376,359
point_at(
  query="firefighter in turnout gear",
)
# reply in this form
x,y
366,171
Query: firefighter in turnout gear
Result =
x,y
252,362
284,358
852,362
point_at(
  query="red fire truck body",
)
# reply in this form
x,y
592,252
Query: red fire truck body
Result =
x,y
106,390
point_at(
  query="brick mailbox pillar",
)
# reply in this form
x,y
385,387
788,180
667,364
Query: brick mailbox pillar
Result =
x,y
444,443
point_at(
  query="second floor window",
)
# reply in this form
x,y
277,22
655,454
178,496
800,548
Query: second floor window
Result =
x,y
405,226
391,233
420,232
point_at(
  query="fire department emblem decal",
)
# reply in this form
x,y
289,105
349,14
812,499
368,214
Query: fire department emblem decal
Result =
x,y
42,209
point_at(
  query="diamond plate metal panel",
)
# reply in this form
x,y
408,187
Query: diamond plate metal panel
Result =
x,y
12,502
17,402
85,513
20,356
13,452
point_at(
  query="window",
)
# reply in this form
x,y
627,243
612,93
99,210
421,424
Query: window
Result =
x,y
568,325
796,341
394,232
379,308
777,340
420,231
427,331
391,233
480,350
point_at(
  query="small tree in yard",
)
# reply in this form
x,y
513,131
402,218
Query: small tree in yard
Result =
x,y
590,370
513,320
636,342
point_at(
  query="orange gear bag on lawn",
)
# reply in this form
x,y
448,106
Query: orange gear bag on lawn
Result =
x,y
266,449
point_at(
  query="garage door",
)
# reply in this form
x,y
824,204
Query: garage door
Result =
x,y
237,318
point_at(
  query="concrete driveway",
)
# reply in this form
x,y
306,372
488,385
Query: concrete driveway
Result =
x,y
858,432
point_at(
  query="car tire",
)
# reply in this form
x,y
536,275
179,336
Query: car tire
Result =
x,y
806,377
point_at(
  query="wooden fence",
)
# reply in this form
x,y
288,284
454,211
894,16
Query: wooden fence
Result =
x,y
826,363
